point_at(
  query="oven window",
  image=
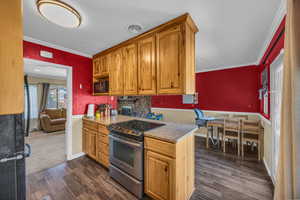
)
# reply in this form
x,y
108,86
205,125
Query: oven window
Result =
x,y
123,153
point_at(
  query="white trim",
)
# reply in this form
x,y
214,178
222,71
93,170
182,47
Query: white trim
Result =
x,y
77,116
281,12
231,112
268,170
172,109
225,67
220,112
68,135
74,156
30,39
211,111
267,121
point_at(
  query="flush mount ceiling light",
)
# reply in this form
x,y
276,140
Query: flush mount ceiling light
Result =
x,y
134,28
59,13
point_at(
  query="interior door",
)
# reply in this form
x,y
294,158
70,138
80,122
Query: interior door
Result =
x,y
276,91
169,58
146,66
130,69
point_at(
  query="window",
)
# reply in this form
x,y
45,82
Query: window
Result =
x,y
33,102
57,97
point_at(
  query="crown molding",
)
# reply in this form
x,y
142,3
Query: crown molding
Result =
x,y
54,46
225,67
280,13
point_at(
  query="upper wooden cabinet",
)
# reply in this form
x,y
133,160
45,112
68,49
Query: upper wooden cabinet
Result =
x,y
169,57
11,58
101,65
130,69
116,76
159,61
146,66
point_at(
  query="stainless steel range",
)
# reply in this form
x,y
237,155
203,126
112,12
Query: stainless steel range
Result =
x,y
126,146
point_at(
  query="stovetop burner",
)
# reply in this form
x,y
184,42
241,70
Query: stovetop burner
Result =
x,y
134,128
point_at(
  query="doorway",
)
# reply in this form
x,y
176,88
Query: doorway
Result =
x,y
50,87
276,72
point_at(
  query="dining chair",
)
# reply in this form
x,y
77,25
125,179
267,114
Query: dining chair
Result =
x,y
251,132
218,124
231,132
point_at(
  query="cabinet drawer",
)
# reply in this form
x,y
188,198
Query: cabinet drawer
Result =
x,y
103,129
103,138
87,130
159,146
90,125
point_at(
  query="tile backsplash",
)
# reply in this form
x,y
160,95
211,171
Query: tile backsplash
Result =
x,y
141,105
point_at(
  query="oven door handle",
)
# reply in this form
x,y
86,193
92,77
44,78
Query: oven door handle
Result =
x,y
138,145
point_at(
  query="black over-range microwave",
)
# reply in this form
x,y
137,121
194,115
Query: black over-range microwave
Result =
x,y
101,86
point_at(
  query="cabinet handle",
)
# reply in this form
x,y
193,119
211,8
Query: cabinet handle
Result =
x,y
166,168
172,85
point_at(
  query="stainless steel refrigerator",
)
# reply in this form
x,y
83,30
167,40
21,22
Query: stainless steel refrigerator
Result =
x,y
13,152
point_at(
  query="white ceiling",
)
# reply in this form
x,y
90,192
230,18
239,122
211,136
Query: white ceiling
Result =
x,y
45,71
232,32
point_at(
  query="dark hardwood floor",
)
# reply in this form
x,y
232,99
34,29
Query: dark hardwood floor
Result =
x,y
218,176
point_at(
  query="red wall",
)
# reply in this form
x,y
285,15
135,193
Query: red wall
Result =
x,y
265,62
233,89
81,71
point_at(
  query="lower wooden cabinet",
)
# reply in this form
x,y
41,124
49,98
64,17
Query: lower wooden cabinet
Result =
x,y
169,168
95,142
159,172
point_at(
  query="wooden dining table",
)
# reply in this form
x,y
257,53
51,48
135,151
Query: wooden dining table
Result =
x,y
216,125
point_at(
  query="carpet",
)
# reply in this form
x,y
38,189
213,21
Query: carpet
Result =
x,y
47,150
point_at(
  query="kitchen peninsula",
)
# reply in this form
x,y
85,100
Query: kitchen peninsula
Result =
x,y
168,155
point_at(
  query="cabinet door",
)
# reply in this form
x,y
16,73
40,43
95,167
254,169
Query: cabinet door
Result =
x,y
159,177
104,63
130,69
169,61
84,140
11,58
96,63
92,145
116,73
146,66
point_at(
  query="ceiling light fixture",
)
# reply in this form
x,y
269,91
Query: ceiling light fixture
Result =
x,y
135,28
59,13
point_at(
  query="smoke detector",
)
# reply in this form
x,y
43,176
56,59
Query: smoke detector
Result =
x,y
135,28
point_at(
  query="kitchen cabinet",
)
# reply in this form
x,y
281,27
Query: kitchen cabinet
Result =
x,y
169,168
116,76
159,61
95,141
101,65
161,168
84,141
11,58
92,144
146,66
168,62
130,69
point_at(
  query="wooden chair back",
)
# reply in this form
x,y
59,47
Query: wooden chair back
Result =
x,y
251,127
231,124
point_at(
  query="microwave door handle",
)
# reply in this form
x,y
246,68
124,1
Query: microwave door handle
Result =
x,y
138,145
